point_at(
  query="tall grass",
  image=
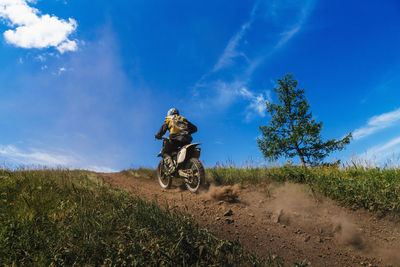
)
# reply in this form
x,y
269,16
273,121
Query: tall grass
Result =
x,y
62,217
376,189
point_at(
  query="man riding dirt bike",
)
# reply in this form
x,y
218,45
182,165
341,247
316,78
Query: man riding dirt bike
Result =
x,y
180,158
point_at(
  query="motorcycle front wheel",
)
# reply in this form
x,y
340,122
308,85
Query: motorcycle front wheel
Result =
x,y
197,177
163,179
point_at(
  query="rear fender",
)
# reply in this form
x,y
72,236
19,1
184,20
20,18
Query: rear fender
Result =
x,y
185,150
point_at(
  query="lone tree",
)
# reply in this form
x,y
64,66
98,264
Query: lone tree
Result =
x,y
292,131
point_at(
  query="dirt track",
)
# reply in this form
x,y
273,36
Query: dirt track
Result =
x,y
285,221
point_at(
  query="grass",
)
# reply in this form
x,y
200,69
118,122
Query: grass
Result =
x,y
62,217
376,189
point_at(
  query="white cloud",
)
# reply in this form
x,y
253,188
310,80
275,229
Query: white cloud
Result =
x,y
228,93
36,157
230,51
287,35
56,72
257,103
34,30
383,154
96,168
296,27
377,123
61,70
40,58
387,148
67,46
246,93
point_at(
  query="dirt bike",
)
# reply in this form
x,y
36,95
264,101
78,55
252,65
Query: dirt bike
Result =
x,y
187,166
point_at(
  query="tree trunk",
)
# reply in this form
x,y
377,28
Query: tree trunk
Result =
x,y
303,163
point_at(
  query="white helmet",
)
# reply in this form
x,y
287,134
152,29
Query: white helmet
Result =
x,y
173,111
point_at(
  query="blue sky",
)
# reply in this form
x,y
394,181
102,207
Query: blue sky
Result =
x,y
87,84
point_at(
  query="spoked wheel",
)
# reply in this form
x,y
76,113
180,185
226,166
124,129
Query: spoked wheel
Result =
x,y
197,175
163,179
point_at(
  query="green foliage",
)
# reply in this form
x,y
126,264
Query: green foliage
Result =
x,y
292,130
374,189
70,218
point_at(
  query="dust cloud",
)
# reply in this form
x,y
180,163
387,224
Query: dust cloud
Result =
x,y
289,203
225,193
295,205
347,233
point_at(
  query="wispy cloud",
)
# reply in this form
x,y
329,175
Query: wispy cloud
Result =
x,y
59,71
257,103
100,168
288,32
377,123
35,157
226,93
383,154
35,30
10,154
231,51
388,147
265,16
296,27
84,112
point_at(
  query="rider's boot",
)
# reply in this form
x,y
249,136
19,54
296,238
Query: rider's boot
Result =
x,y
170,164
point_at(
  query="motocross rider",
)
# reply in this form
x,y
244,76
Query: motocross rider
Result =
x,y
180,130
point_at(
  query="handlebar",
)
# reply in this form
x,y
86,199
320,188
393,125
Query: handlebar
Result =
x,y
163,138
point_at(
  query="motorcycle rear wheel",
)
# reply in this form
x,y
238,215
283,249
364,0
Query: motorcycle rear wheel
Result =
x,y
164,180
197,179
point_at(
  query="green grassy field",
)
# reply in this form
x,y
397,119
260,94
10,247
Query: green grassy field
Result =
x,y
62,217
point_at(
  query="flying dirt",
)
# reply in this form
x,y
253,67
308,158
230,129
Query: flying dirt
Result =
x,y
286,221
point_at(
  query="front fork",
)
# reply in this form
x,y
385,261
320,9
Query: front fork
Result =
x,y
169,162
